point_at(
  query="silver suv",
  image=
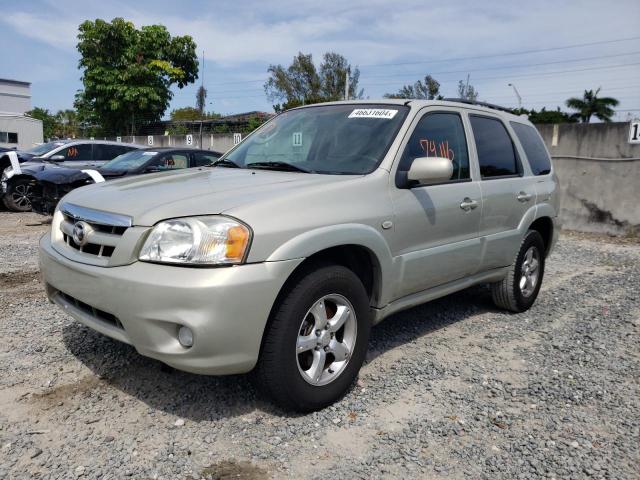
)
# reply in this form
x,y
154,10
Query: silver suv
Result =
x,y
320,224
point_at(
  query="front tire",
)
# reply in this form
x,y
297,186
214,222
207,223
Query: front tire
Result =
x,y
519,289
316,341
18,198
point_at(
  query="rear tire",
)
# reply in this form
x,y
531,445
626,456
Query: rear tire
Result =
x,y
519,289
316,340
18,198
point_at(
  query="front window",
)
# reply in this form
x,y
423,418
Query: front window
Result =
x,y
331,139
130,161
44,148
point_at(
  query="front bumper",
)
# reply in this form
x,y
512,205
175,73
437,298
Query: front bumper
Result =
x,y
144,304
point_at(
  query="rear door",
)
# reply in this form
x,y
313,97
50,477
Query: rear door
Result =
x,y
508,189
103,152
79,155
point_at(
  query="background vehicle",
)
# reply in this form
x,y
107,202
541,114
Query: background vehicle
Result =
x,y
328,219
16,186
50,185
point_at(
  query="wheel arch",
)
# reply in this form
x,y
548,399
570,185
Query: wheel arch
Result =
x,y
544,226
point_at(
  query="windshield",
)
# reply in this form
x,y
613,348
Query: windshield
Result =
x,y
333,139
44,148
130,160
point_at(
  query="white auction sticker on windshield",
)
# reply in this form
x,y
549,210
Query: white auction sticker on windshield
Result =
x,y
373,113
149,153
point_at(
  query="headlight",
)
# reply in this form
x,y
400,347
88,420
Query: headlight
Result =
x,y
197,241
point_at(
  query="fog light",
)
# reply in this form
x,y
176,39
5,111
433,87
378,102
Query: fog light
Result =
x,y
185,337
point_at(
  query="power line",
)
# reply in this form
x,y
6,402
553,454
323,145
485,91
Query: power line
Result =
x,y
496,55
512,66
624,65
504,54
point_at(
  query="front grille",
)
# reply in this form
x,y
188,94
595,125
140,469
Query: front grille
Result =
x,y
94,312
100,237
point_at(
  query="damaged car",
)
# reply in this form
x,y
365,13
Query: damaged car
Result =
x,y
17,175
50,185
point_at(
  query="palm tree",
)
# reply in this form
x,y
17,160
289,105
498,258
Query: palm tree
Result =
x,y
590,105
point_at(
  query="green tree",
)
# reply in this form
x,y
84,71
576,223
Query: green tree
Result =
x,y
49,122
546,116
429,90
590,104
302,83
128,72
466,91
67,123
192,114
201,99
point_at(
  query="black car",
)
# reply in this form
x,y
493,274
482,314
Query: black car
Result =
x,y
15,180
50,185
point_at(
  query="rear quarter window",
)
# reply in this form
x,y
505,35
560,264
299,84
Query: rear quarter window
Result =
x,y
533,146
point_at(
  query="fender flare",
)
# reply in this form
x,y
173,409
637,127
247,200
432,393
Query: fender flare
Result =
x,y
323,238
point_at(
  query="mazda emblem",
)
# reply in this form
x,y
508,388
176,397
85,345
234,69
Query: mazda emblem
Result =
x,y
80,233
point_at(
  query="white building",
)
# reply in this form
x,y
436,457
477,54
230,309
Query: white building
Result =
x,y
17,130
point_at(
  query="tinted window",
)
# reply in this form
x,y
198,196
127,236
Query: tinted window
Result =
x,y
439,135
533,147
108,152
76,152
496,154
204,159
171,161
12,137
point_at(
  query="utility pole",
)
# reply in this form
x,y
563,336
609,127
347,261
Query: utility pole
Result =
x,y
346,84
204,103
517,95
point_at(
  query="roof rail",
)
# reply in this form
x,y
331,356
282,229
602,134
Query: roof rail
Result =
x,y
480,104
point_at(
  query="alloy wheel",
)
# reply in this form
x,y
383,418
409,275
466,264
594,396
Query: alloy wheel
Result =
x,y
326,339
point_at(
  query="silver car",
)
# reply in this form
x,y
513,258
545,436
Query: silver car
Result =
x,y
320,224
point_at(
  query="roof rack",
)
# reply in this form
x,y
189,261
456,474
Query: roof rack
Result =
x,y
480,104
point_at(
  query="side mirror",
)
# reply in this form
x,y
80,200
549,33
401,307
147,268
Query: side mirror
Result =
x,y
428,170
57,158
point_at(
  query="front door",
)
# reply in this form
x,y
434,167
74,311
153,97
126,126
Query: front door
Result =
x,y
435,237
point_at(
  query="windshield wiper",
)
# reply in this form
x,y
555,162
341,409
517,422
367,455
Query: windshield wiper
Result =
x,y
288,167
225,163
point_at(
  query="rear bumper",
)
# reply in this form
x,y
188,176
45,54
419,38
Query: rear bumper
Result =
x,y
144,304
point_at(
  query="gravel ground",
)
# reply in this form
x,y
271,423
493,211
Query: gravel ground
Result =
x,y
454,389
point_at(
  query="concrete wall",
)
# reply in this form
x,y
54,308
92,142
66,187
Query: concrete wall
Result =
x,y
29,130
599,174
219,142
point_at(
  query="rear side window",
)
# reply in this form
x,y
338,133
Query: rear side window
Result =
x,y
107,152
496,153
439,135
534,148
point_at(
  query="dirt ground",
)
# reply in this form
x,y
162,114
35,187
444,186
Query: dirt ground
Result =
x,y
454,389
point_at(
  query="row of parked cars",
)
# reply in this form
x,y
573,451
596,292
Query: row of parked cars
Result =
x,y
38,178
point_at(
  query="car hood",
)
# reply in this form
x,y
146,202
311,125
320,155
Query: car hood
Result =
x,y
203,191
34,165
62,175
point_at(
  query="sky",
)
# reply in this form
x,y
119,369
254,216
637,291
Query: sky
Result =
x,y
550,50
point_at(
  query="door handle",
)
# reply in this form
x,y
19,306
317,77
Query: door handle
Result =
x,y
524,197
468,204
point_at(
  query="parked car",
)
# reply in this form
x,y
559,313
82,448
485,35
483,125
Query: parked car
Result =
x,y
50,185
320,224
15,181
